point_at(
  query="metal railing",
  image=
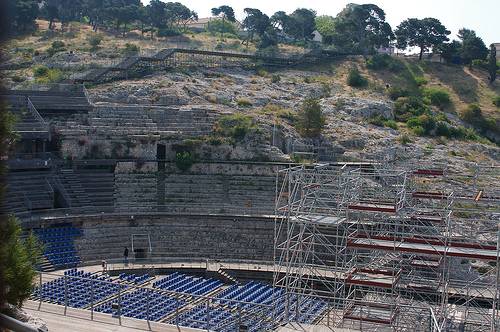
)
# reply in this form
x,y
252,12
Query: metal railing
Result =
x,y
13,324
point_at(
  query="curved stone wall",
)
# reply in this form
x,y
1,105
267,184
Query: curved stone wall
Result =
x,y
186,236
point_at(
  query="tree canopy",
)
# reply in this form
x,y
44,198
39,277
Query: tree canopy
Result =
x,y
473,47
424,33
362,28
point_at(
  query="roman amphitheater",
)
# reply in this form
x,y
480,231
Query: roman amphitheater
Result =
x,y
230,245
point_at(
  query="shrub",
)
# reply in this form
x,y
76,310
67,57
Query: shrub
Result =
x,y
419,80
378,61
56,46
437,97
184,160
418,130
404,139
474,116
406,107
310,120
425,121
472,113
275,78
168,32
236,126
391,124
355,79
396,92
243,102
496,101
262,73
131,49
40,71
94,40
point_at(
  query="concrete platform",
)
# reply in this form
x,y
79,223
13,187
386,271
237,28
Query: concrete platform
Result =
x,y
79,320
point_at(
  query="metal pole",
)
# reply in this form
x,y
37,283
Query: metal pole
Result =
x,y
41,292
91,300
65,294
147,308
120,305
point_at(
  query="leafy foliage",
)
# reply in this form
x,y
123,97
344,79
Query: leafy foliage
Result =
x,y
424,33
496,101
184,160
492,65
236,126
472,47
94,40
355,79
437,97
310,120
22,14
362,28
407,107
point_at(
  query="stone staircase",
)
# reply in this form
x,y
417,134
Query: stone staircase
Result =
x,y
29,123
49,100
29,190
74,188
135,190
227,278
99,186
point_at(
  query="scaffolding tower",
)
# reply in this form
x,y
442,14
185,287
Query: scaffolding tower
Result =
x,y
383,247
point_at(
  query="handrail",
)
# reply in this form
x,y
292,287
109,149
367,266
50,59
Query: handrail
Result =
x,y
434,323
62,190
13,324
37,115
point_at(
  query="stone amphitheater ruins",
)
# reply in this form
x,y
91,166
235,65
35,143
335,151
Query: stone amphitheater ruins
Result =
x,y
263,231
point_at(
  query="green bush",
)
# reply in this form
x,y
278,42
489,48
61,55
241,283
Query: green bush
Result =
x,y
243,102
418,130
437,97
310,120
262,72
44,75
378,61
236,126
94,40
419,80
473,115
275,78
496,101
396,92
355,79
131,49
168,32
424,121
184,160
56,46
40,71
407,107
404,139
391,124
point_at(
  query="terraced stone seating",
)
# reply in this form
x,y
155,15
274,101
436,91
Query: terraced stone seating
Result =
x,y
29,190
178,282
245,191
136,305
192,121
56,100
98,185
135,190
81,289
110,120
59,248
27,124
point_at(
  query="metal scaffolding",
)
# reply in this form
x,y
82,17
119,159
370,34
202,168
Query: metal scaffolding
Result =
x,y
382,245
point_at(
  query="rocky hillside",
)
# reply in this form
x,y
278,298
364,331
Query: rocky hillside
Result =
x,y
251,114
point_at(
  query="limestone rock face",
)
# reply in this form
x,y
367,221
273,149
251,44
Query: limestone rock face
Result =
x,y
363,107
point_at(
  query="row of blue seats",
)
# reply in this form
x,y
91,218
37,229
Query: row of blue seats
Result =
x,y
143,304
221,320
78,289
252,292
135,279
178,282
59,245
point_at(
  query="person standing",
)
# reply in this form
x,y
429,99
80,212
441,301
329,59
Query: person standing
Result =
x,y
125,256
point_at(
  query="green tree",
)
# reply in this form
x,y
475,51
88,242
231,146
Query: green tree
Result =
x,y
424,33
492,64
301,24
22,14
310,120
362,28
472,48
326,27
256,23
226,13
17,257
450,52
177,13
